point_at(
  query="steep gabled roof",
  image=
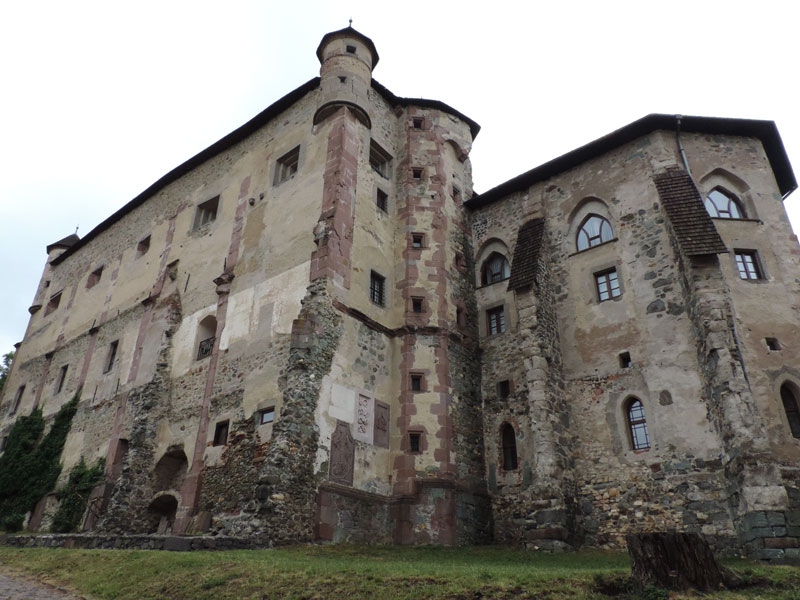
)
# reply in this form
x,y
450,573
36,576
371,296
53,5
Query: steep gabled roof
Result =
x,y
765,131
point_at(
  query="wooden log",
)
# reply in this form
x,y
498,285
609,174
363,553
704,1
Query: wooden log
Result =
x,y
678,561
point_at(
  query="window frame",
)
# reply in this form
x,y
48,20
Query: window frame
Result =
x,y
489,275
206,213
636,420
266,412
495,320
380,160
748,270
593,241
111,357
731,200
62,378
221,427
377,288
287,166
604,278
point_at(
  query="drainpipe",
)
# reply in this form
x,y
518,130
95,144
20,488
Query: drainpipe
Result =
x,y
680,145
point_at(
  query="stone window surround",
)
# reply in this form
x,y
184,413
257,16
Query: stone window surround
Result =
x,y
491,246
758,260
287,165
637,424
584,208
732,184
617,419
730,200
502,328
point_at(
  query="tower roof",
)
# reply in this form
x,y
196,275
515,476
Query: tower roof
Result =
x,y
351,33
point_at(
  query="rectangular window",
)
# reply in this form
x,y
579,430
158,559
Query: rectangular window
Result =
x,y
503,388
414,442
416,305
53,303
18,399
416,173
607,283
142,247
112,355
495,320
417,382
417,240
286,166
62,378
94,277
205,348
206,212
221,433
382,200
266,416
747,264
773,344
377,288
380,160
418,122
625,361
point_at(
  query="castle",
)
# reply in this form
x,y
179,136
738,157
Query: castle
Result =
x,y
315,330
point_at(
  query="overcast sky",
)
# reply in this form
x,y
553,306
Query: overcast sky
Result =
x,y
100,99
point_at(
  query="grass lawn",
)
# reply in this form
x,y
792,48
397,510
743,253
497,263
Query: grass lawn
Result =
x,y
355,572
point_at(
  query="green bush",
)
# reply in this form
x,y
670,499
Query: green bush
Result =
x,y
75,495
30,465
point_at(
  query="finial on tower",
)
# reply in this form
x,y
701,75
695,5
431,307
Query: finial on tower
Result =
x,y
351,22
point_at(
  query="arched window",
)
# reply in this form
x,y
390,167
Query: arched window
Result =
x,y
791,409
723,205
637,425
595,230
494,269
509,440
206,335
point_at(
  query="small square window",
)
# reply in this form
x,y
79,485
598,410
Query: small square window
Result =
x,y
142,247
382,200
351,49
607,284
417,382
53,303
380,160
416,305
417,240
94,277
286,165
266,416
414,442
495,320
773,344
111,357
747,264
503,388
206,212
418,122
62,378
221,433
625,360
416,173
377,288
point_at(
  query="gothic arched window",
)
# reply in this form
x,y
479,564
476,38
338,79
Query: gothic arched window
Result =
x,y
637,425
509,440
494,269
595,230
791,409
723,205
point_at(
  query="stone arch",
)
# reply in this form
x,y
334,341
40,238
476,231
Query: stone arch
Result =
x,y
161,513
732,185
635,419
461,154
508,447
580,215
491,247
170,470
206,335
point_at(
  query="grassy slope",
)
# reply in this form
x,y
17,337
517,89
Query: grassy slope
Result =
x,y
347,572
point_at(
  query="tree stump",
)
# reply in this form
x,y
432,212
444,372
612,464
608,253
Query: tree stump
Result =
x,y
677,561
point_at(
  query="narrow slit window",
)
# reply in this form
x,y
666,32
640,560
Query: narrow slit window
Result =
x,y
414,442
417,382
637,425
790,407
111,356
503,388
625,360
509,442
377,288
142,247
62,378
18,399
53,303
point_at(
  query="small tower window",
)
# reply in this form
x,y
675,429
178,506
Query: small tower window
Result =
x,y
417,382
382,200
416,305
417,240
266,416
287,165
351,49
625,361
142,247
221,433
206,212
379,160
377,288
416,173
418,122
773,344
503,389
111,356
415,442
62,378
94,277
